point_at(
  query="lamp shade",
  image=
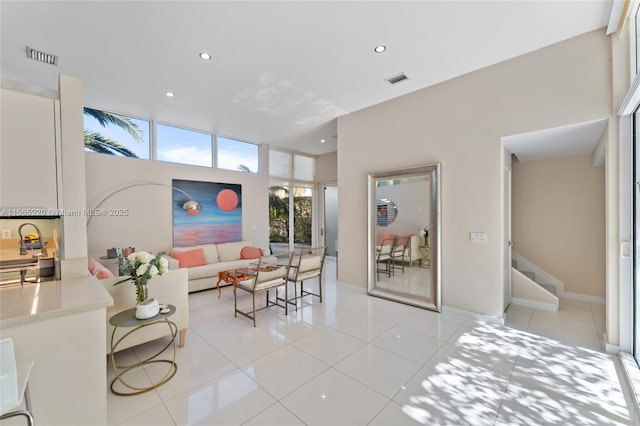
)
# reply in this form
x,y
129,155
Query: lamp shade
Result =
x,y
192,207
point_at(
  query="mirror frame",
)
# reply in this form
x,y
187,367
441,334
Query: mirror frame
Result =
x,y
433,171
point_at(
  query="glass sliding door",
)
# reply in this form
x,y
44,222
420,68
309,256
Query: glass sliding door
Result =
x,y
279,218
302,217
291,201
636,236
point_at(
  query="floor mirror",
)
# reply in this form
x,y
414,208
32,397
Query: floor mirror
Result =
x,y
404,235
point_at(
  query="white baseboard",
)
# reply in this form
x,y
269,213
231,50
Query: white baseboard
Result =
x,y
533,304
582,297
609,348
473,315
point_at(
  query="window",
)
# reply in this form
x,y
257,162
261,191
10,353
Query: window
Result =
x,y
115,134
183,146
237,155
279,164
302,216
635,43
291,219
304,168
279,218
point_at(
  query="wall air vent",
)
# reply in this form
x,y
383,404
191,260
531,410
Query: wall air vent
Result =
x,y
37,55
397,78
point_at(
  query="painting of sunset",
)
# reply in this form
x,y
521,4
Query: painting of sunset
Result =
x,y
220,217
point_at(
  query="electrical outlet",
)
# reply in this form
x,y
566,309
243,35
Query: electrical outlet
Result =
x,y
6,233
478,237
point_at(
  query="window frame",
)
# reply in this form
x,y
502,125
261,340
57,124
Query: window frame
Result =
x,y
155,143
151,138
217,156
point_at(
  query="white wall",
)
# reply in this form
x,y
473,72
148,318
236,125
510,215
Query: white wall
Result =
x,y
459,123
149,226
326,167
558,220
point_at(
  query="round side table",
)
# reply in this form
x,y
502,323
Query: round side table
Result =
x,y
128,319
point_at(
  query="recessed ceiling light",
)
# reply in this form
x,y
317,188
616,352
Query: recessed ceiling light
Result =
x,y
322,140
379,49
170,94
205,56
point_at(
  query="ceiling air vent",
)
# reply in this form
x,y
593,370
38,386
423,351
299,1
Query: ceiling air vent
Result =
x,y
397,78
37,55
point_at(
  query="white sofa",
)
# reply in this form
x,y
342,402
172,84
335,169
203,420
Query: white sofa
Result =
x,y
219,257
412,253
170,287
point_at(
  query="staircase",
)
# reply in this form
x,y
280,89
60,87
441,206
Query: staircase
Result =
x,y
532,276
526,291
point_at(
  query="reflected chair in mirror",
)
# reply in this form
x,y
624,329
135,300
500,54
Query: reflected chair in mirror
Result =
x,y
383,256
306,265
262,278
401,250
14,384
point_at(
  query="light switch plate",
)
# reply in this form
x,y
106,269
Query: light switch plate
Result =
x,y
6,233
478,237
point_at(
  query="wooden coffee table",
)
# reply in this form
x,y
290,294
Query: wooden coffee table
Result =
x,y
231,276
234,276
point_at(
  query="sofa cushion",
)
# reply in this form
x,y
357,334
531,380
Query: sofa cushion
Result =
x,y
404,239
210,251
98,270
250,252
385,236
231,251
190,258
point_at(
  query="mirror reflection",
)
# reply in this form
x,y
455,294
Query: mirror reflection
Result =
x,y
403,265
386,212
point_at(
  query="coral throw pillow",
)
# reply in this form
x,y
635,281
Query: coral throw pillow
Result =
x,y
250,253
97,270
190,258
404,240
383,237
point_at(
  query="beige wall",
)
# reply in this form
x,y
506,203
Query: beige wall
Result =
x,y
149,226
459,123
558,220
327,167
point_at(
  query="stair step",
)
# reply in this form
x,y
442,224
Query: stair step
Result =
x,y
514,264
550,288
531,275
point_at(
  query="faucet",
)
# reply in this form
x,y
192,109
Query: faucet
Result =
x,y
23,248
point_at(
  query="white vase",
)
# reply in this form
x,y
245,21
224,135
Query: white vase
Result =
x,y
147,309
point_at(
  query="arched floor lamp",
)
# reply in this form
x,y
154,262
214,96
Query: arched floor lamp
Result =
x,y
192,207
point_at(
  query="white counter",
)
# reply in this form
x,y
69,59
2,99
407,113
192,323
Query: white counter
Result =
x,y
61,326
37,302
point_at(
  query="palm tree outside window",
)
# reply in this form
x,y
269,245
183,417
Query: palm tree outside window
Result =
x,y
115,134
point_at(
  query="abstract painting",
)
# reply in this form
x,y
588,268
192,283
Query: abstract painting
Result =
x,y
220,218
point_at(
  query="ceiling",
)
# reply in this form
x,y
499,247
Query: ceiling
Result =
x,y
282,72
565,141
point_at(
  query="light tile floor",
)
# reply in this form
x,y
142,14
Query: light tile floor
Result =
x,y
359,360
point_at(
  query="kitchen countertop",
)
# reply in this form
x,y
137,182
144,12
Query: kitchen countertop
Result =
x,y
10,249
33,302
